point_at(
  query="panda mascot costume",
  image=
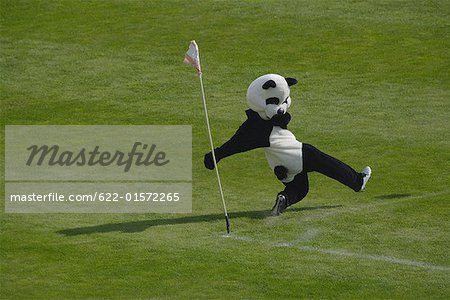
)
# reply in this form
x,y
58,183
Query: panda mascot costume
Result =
x,y
269,98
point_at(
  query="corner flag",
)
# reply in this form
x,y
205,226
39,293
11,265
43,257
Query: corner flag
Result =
x,y
192,58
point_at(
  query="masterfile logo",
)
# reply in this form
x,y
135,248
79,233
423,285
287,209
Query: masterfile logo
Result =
x,y
98,169
98,152
140,154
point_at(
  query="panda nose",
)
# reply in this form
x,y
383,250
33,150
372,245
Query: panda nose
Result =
x,y
280,111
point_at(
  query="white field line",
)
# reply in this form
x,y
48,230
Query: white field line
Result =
x,y
310,234
342,252
375,205
408,198
383,258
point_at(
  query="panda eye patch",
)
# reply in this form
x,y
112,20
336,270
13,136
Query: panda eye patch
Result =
x,y
272,100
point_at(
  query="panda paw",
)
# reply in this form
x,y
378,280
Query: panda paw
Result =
x,y
208,161
280,172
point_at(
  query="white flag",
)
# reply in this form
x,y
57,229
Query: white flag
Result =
x,y
192,57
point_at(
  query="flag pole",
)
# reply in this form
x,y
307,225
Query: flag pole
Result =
x,y
213,154
192,57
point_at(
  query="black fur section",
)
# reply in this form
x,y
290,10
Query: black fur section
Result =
x,y
281,120
253,133
272,100
291,81
280,172
208,161
269,84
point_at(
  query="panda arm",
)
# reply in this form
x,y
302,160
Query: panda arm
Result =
x,y
251,134
246,138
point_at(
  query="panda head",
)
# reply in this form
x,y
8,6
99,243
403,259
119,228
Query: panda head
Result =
x,y
268,95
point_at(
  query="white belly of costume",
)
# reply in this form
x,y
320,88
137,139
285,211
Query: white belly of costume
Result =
x,y
285,151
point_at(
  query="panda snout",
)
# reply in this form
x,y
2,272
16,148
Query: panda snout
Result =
x,y
280,111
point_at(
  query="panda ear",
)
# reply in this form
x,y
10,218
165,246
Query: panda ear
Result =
x,y
291,81
269,84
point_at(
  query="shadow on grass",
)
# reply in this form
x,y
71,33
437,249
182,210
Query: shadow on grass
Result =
x,y
138,226
392,196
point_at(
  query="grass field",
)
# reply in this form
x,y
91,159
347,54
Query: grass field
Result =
x,y
374,90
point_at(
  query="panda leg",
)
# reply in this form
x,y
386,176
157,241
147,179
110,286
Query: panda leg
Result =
x,y
316,160
294,191
297,189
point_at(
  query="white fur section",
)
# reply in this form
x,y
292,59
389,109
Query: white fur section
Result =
x,y
256,95
285,151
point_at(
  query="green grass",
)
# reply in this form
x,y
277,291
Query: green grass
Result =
x,y
374,89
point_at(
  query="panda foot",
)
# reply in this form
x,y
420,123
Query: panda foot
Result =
x,y
367,172
280,205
